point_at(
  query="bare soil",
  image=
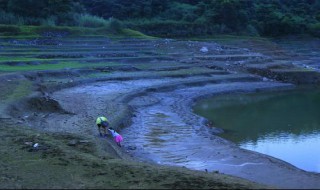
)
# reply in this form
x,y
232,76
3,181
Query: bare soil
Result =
x,y
57,110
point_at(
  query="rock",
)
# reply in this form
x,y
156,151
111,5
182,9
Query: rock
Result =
x,y
132,147
84,141
28,143
35,145
204,50
72,142
215,130
265,79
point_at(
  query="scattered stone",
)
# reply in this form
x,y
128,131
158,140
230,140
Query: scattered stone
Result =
x,y
72,142
265,79
204,50
28,143
84,141
35,145
132,147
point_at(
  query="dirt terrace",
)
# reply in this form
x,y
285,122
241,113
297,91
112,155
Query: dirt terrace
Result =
x,y
123,78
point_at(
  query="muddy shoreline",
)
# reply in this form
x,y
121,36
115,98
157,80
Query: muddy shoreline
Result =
x,y
239,162
165,87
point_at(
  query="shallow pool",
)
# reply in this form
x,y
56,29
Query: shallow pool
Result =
x,y
285,125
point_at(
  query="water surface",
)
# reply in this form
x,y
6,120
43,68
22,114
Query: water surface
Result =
x,y
285,125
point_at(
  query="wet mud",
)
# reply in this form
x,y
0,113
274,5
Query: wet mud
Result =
x,y
147,93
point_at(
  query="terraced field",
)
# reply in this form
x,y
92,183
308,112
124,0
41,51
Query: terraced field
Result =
x,y
146,89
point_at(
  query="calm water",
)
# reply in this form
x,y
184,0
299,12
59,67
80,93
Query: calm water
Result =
x,y
285,125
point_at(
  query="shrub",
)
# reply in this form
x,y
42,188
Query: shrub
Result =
x,y
9,18
9,30
86,20
115,25
315,29
51,21
171,28
252,31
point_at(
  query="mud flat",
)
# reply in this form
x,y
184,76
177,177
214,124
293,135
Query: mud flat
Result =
x,y
164,131
146,90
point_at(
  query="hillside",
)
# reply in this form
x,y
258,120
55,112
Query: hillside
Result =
x,y
179,18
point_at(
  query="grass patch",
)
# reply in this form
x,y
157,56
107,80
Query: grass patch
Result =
x,y
18,59
188,72
94,75
55,164
23,89
226,38
20,32
58,66
136,34
14,90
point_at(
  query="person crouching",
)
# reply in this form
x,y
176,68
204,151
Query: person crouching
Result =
x,y
117,137
102,123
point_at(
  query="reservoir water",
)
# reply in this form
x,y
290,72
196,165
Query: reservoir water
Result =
x,y
285,125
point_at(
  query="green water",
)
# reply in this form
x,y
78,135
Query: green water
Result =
x,y
285,125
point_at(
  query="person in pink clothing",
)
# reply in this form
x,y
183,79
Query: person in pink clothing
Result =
x,y
117,137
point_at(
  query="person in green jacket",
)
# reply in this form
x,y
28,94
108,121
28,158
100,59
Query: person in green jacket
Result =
x,y
102,123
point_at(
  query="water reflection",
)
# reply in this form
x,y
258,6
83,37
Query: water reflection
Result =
x,y
284,125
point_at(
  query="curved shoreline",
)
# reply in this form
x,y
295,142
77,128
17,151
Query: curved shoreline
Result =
x,y
227,155
162,90
233,160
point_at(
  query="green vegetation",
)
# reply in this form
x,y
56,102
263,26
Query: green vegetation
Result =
x,y
136,34
21,90
26,31
58,66
164,18
57,164
14,90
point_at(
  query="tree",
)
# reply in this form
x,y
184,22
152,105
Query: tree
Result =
x,y
42,8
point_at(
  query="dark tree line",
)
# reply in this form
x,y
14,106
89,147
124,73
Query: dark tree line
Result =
x,y
257,17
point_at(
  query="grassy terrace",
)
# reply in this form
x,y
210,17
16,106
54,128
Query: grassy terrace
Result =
x,y
93,55
29,32
58,66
